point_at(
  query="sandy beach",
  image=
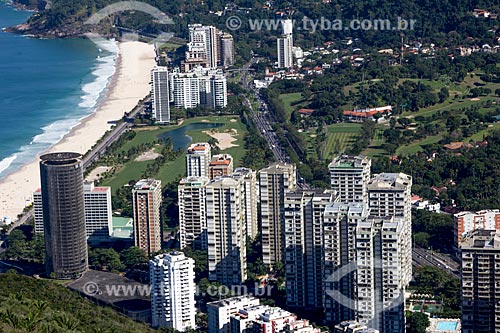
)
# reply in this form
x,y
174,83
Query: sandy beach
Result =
x,y
129,84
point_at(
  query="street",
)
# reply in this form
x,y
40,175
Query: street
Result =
x,y
423,257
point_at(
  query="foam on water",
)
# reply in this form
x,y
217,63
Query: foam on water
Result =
x,y
92,94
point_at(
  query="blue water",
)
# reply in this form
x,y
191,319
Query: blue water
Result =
x,y
179,137
446,326
46,87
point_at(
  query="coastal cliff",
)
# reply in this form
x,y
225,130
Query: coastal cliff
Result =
x,y
60,19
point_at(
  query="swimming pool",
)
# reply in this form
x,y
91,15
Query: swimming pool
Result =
x,y
446,326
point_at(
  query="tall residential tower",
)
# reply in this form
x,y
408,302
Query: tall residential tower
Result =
x,y
63,215
172,291
274,181
147,197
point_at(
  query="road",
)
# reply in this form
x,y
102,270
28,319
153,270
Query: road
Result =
x,y
112,136
423,257
266,130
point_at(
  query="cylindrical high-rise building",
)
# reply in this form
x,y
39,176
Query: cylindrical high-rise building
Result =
x,y
63,215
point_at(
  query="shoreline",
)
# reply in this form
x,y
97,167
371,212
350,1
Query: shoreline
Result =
x,y
128,85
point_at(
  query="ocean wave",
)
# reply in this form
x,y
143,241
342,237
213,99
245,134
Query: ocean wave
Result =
x,y
92,93
103,72
6,163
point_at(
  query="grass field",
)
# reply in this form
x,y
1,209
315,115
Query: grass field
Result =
x,y
375,149
289,101
340,136
172,170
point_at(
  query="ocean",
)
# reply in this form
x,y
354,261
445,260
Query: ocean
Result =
x,y
47,86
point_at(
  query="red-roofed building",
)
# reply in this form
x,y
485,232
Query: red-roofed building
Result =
x,y
306,112
360,115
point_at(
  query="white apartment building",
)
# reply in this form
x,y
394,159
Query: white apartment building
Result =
x,y
226,227
466,222
381,277
146,203
198,159
340,221
38,211
172,291
226,50
390,195
274,181
250,198
160,94
349,177
199,87
285,45
98,211
208,47
192,212
304,253
220,312
185,90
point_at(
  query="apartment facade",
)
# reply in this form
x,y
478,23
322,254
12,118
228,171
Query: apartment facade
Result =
x,y
160,94
172,291
340,221
250,198
220,165
480,289
349,177
390,195
466,222
198,159
285,45
304,252
146,202
97,207
226,234
380,276
192,212
274,181
220,312
208,47
61,176
198,87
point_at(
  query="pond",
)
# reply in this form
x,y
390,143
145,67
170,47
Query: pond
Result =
x,y
179,136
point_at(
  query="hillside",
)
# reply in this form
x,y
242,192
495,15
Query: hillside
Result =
x,y
65,18
30,305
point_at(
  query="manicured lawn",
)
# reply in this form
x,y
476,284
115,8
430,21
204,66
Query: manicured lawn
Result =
x,y
170,171
416,146
340,136
130,171
375,149
289,101
479,136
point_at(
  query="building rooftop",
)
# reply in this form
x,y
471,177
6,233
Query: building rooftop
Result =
x,y
221,159
350,208
348,161
279,168
147,184
194,181
199,147
232,301
482,239
389,181
481,212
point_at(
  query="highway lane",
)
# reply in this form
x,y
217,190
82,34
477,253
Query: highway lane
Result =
x,y
112,136
423,257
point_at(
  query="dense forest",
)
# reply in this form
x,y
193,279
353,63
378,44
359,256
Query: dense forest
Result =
x,y
446,23
31,305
